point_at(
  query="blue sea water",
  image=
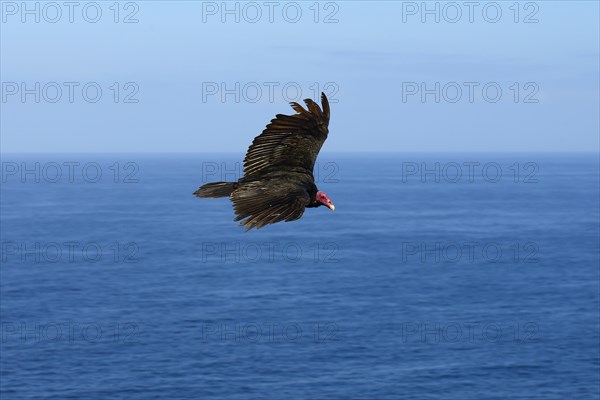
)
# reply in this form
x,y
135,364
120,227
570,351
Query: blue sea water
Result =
x,y
438,276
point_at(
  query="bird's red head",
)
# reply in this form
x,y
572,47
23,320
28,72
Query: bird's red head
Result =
x,y
323,199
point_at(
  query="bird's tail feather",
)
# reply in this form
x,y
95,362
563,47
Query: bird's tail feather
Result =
x,y
216,189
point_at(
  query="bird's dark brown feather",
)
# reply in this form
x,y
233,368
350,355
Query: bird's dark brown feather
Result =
x,y
290,140
259,203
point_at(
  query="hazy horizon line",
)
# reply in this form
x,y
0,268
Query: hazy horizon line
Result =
x,y
590,152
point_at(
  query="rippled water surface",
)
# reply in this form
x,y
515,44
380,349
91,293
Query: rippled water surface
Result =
x,y
437,277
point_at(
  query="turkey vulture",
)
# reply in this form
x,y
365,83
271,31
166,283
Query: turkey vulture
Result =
x,y
278,182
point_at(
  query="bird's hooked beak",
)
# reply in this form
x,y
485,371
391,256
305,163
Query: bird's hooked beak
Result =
x,y
323,199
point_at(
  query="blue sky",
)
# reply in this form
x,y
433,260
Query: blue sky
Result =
x,y
374,59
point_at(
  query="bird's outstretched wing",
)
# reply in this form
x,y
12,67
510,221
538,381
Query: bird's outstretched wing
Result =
x,y
261,203
291,141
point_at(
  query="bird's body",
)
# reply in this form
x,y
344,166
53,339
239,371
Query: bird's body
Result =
x,y
278,182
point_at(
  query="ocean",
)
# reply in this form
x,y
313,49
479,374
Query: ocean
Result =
x,y
438,276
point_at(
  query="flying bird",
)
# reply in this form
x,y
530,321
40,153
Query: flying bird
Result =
x,y
278,182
